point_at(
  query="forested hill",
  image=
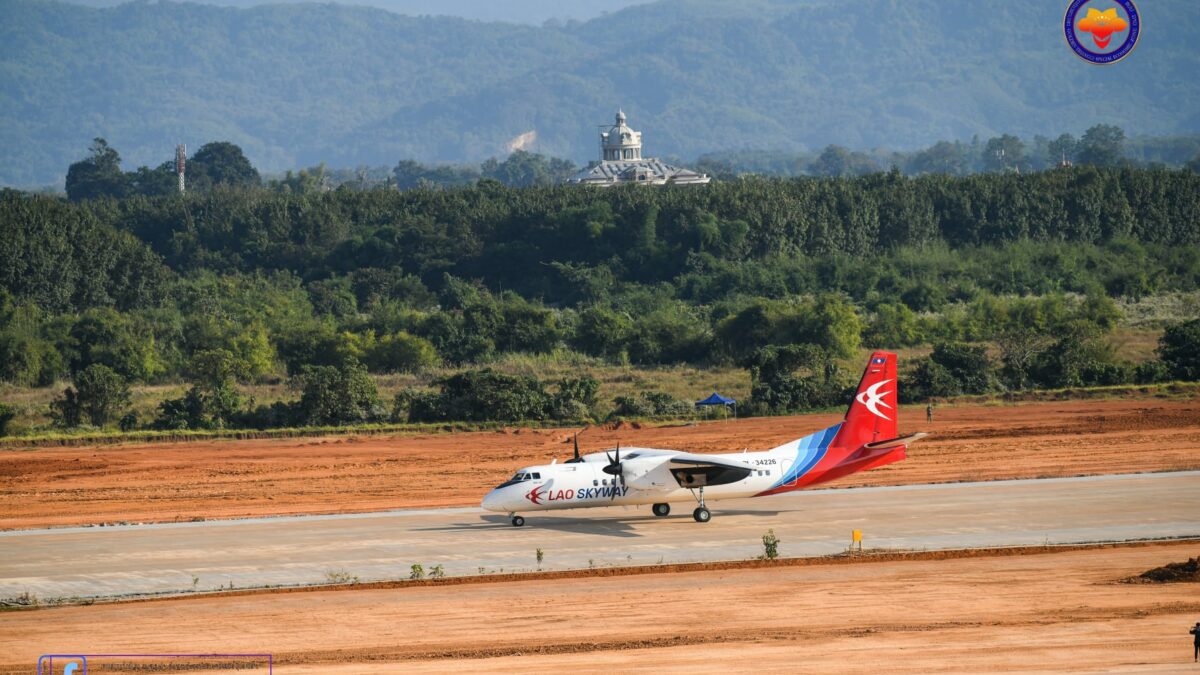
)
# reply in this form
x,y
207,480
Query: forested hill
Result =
x,y
299,84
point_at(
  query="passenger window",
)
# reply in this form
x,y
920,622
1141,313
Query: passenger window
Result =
x,y
595,482
604,482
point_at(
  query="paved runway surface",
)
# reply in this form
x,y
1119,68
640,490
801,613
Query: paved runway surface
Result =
x,y
300,550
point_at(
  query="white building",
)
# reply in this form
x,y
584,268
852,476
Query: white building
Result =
x,y
621,162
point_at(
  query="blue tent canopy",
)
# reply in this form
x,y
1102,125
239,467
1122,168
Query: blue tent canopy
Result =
x,y
716,399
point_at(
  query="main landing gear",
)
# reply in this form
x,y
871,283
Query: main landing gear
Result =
x,y
517,521
702,514
661,510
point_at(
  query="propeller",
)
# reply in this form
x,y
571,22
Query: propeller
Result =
x,y
615,469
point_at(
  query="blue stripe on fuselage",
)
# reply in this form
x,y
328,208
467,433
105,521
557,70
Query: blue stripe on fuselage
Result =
x,y
810,450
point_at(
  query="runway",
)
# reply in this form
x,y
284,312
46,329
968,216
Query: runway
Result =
x,y
181,557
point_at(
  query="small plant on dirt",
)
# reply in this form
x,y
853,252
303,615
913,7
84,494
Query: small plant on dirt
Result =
x,y
591,564
195,581
340,577
25,599
541,555
770,545
418,572
482,570
436,572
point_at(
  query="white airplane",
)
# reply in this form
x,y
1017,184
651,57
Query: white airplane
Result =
x,y
865,439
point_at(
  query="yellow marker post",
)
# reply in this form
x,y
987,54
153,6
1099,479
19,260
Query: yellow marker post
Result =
x,y
856,539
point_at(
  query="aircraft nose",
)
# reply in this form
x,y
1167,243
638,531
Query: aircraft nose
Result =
x,y
491,501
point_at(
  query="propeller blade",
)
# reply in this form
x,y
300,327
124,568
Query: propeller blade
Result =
x,y
576,446
616,470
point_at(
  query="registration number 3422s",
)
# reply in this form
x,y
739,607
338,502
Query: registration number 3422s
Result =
x,y
763,462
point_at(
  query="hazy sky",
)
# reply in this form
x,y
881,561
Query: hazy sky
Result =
x,y
512,11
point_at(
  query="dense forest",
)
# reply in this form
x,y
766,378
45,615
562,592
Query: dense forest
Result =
x,y
240,281
298,84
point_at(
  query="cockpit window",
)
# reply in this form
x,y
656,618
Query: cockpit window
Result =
x,y
536,475
518,477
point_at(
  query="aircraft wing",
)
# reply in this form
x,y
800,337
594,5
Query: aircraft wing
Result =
x,y
692,470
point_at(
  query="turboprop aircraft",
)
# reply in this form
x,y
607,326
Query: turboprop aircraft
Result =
x,y
866,438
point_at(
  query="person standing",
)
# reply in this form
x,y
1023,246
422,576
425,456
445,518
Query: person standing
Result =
x,y
1195,631
929,413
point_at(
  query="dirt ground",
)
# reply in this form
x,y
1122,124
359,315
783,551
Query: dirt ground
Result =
x,y
42,487
1047,612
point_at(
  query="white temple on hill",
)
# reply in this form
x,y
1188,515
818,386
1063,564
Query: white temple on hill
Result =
x,y
621,162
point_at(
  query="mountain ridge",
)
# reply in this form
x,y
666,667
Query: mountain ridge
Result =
x,y
297,84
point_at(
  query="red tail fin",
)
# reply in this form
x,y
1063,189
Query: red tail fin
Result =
x,y
872,413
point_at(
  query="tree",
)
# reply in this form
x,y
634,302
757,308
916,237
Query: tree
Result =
x,y
942,157
213,401
334,395
1079,357
1019,347
835,161
602,331
481,396
401,353
221,163
794,377
109,337
969,365
1179,349
1102,145
894,325
153,182
523,169
1062,149
99,395
575,399
99,175
1003,152
929,379
835,326
28,361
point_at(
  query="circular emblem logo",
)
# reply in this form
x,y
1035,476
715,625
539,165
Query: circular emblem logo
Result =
x,y
1102,31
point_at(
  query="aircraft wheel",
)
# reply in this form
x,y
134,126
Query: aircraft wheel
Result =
x,y
518,521
701,515
661,510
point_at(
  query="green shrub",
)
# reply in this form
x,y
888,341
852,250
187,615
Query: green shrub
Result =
x,y
337,395
1179,349
213,402
401,353
794,377
652,404
7,414
98,396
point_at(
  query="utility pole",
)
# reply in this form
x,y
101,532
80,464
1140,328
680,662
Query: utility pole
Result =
x,y
180,164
